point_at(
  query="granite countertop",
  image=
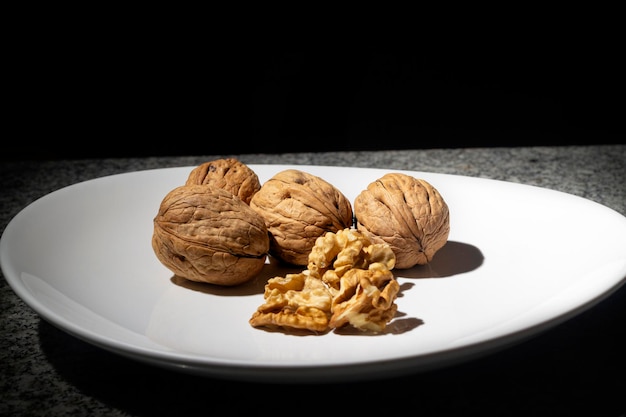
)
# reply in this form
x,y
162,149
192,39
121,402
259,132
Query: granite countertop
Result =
x,y
577,365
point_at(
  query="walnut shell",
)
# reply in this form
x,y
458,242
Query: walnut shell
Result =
x,y
229,174
299,207
407,213
205,233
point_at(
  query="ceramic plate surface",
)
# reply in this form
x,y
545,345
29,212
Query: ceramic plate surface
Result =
x,y
519,260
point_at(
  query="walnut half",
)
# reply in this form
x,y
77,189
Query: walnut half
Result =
x,y
407,213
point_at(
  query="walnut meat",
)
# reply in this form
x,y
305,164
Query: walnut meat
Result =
x,y
229,174
334,254
205,233
366,300
299,207
358,275
348,283
407,213
296,301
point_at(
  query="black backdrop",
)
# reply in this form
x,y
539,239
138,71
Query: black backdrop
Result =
x,y
99,101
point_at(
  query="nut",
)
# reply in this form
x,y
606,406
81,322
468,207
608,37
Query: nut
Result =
x,y
205,233
358,275
366,300
348,283
407,213
334,254
296,301
229,174
299,207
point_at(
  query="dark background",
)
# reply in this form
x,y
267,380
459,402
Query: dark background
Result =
x,y
97,98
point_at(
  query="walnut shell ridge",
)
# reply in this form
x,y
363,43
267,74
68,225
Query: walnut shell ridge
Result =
x,y
206,234
407,213
298,207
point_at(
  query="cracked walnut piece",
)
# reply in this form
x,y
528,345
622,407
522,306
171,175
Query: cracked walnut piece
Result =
x,y
348,282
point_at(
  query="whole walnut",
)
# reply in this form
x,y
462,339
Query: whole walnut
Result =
x,y
299,207
407,213
228,173
205,233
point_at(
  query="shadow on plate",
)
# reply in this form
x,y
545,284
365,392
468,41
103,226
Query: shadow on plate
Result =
x,y
452,259
271,269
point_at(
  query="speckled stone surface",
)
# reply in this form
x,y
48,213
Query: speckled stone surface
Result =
x,y
577,368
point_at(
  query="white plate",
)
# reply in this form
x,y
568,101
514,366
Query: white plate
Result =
x,y
519,260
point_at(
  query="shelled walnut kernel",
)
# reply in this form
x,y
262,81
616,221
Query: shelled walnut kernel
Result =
x,y
348,283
